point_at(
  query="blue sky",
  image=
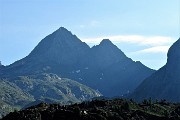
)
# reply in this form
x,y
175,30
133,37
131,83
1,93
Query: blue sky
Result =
x,y
143,29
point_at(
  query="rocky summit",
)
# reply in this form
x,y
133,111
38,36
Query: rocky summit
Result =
x,y
58,52
165,83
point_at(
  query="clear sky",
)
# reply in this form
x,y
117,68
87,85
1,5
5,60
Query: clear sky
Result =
x,y
142,29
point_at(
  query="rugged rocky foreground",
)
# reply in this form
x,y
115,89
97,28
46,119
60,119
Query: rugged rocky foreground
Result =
x,y
116,109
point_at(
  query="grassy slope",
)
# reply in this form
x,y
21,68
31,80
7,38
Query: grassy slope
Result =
x,y
20,91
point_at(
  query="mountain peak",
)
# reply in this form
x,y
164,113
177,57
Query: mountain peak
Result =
x,y
106,54
62,33
61,47
63,29
106,42
107,47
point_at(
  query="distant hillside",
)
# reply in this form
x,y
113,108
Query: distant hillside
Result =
x,y
116,109
19,91
165,83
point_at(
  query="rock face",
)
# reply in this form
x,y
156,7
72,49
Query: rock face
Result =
x,y
165,83
173,62
101,67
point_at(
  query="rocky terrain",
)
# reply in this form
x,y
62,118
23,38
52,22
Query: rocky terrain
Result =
x,y
116,109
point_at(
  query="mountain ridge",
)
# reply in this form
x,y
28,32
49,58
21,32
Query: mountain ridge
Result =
x,y
64,54
87,72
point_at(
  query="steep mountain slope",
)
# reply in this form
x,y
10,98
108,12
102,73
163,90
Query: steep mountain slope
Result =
x,y
12,97
104,55
165,83
105,67
50,86
22,90
59,52
101,67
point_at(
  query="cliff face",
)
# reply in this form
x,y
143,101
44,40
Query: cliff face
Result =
x,y
61,47
173,63
165,83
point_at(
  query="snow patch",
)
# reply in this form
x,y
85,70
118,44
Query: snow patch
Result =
x,y
80,79
86,68
78,71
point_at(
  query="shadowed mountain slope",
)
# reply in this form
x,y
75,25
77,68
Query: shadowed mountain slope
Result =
x,y
165,83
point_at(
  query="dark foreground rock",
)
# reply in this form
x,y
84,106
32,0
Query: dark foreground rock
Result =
x,y
117,109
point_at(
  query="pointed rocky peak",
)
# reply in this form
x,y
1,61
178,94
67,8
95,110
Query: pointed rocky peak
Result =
x,y
64,36
106,54
62,31
106,46
61,39
61,46
106,42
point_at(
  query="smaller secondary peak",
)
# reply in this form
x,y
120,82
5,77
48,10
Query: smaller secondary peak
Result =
x,y
105,42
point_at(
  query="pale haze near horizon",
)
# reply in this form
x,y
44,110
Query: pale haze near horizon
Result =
x,y
142,29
